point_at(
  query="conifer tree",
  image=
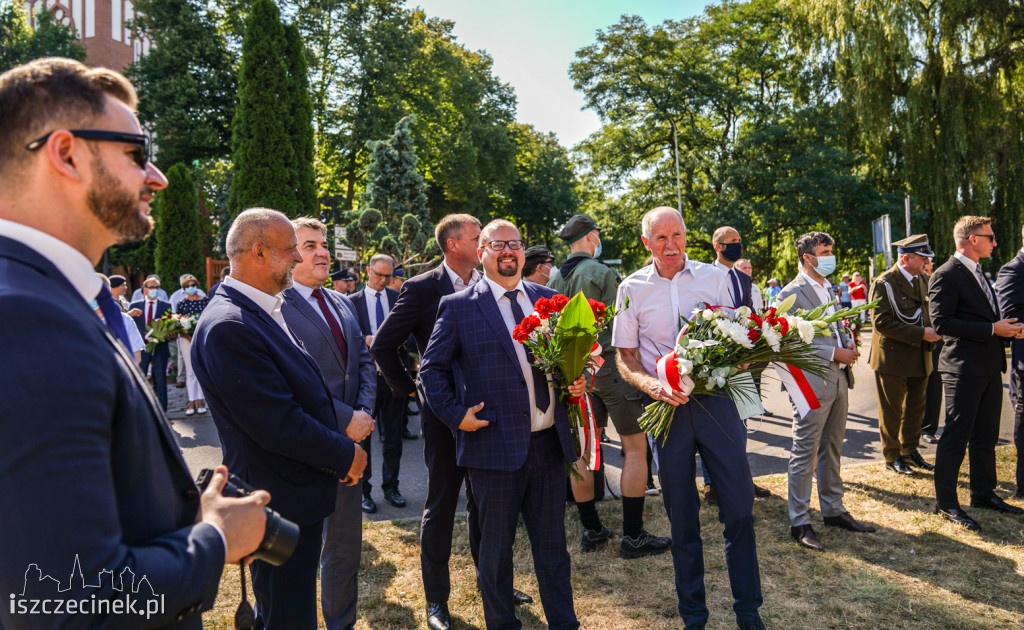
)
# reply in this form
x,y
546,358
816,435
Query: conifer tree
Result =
x,y
395,189
178,239
301,120
262,150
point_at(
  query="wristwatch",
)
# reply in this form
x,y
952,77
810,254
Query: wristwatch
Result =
x,y
364,408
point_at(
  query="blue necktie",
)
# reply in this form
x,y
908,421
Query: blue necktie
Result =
x,y
112,315
380,312
737,291
540,382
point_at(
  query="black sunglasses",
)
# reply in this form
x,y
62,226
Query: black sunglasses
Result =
x,y
991,237
142,155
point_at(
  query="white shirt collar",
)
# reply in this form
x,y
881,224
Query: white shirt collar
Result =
x,y
69,261
906,274
499,291
973,266
474,277
304,291
821,285
265,301
718,264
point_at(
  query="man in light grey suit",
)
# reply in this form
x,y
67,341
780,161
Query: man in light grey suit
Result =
x,y
325,323
821,431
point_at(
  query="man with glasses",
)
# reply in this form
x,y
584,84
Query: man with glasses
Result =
x,y
83,434
512,432
373,304
965,311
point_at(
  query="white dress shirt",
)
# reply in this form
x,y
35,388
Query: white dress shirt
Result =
x,y
271,304
538,420
735,299
656,304
456,279
975,269
307,294
906,274
824,293
371,307
69,261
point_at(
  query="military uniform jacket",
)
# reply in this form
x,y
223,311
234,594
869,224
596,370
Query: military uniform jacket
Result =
x,y
581,272
897,343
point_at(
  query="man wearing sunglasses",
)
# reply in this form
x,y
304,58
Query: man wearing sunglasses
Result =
x,y
965,311
90,474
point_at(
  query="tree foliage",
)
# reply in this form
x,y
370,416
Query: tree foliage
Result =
x,y
543,194
178,234
301,123
186,83
19,43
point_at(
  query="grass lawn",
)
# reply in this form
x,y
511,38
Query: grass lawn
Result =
x,y
916,572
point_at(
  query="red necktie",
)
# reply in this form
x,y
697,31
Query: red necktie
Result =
x,y
149,312
332,323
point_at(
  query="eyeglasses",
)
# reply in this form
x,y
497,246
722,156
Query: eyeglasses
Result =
x,y
500,245
386,276
991,237
142,155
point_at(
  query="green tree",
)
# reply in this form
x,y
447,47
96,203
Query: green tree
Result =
x,y
178,234
543,195
262,151
20,44
301,119
186,83
394,193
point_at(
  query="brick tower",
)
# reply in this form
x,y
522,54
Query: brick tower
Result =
x,y
101,25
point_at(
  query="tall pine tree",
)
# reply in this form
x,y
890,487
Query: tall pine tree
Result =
x,y
179,247
262,149
395,190
301,120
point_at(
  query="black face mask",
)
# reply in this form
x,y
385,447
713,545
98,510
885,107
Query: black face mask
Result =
x,y
732,251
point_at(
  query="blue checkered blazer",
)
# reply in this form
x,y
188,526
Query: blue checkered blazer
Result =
x,y
471,358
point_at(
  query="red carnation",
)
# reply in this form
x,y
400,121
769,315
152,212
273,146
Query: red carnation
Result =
x,y
754,317
598,308
523,329
559,302
753,334
544,307
783,326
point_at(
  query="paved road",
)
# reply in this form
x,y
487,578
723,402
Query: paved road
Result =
x,y
767,448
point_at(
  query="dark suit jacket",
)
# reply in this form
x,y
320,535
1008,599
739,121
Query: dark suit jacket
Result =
x,y
162,308
470,358
1010,289
351,382
414,314
89,468
276,418
359,300
963,316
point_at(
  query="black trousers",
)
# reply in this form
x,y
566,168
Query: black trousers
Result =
x,y
159,358
973,405
444,482
1017,383
286,595
389,414
933,395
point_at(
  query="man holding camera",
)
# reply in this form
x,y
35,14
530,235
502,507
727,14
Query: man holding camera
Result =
x,y
90,474
274,413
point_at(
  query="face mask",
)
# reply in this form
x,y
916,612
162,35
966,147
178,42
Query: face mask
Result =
x,y
597,250
94,305
826,265
732,251
191,290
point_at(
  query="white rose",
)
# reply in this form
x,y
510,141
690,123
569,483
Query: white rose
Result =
x,y
708,314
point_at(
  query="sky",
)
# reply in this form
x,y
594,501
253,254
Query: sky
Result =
x,y
534,41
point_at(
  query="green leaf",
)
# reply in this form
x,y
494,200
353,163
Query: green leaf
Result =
x,y
576,334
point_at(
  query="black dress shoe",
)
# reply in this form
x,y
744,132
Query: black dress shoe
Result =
x,y
959,517
409,435
438,617
916,458
750,624
520,598
997,504
901,467
761,493
804,535
847,522
696,626
394,497
368,505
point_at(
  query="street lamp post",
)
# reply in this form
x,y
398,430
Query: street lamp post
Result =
x,y
679,184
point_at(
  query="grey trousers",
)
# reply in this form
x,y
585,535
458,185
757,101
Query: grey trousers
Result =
x,y
339,559
819,435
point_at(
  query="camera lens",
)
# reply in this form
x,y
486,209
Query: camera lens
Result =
x,y
279,539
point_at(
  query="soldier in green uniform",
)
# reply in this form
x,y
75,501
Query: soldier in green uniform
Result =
x,y
612,396
901,354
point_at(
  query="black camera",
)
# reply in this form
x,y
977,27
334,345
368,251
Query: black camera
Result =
x,y
280,536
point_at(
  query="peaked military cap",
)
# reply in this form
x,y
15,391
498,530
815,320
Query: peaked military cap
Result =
x,y
916,244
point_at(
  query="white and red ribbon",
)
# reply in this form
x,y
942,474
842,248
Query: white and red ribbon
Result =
x,y
668,375
590,439
798,388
